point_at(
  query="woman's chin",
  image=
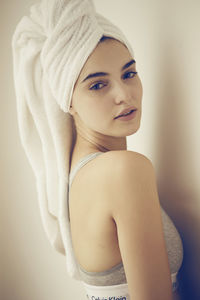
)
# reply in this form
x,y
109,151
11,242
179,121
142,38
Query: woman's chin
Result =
x,y
132,130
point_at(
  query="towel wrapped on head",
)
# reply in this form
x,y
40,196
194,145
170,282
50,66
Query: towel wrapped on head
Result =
x,y
50,47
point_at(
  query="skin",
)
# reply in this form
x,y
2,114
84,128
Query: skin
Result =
x,y
94,110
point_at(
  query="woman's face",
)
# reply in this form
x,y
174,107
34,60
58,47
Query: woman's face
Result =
x,y
97,100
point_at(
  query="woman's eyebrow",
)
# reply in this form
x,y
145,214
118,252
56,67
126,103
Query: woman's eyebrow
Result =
x,y
97,74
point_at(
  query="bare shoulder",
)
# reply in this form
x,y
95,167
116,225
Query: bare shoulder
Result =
x,y
126,163
122,157
125,157
127,173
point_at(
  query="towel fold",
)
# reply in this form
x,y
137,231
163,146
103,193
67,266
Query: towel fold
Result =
x,y
50,47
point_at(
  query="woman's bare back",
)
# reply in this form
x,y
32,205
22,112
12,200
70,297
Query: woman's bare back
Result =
x,y
93,229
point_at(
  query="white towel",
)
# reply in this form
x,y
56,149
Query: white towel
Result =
x,y
50,47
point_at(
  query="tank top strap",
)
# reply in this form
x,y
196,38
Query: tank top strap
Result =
x,y
83,161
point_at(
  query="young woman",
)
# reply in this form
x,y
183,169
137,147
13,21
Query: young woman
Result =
x,y
115,214
78,97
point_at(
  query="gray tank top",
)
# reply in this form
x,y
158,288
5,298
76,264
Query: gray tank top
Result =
x,y
116,275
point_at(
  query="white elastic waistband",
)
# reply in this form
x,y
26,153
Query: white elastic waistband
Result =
x,y
111,292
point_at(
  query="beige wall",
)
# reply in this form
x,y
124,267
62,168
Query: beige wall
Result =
x,y
165,37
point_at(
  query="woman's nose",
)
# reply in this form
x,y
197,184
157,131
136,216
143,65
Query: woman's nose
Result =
x,y
122,92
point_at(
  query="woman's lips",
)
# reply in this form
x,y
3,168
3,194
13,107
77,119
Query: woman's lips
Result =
x,y
126,110
128,117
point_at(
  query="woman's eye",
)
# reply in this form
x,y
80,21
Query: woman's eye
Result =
x,y
133,74
100,85
96,86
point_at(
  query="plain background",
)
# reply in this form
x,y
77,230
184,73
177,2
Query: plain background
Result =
x,y
166,40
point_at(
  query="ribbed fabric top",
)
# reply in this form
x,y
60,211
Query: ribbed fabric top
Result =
x,y
116,275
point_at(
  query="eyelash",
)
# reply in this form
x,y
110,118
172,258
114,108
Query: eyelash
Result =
x,y
92,87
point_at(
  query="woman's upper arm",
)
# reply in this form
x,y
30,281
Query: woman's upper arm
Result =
x,y
135,208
